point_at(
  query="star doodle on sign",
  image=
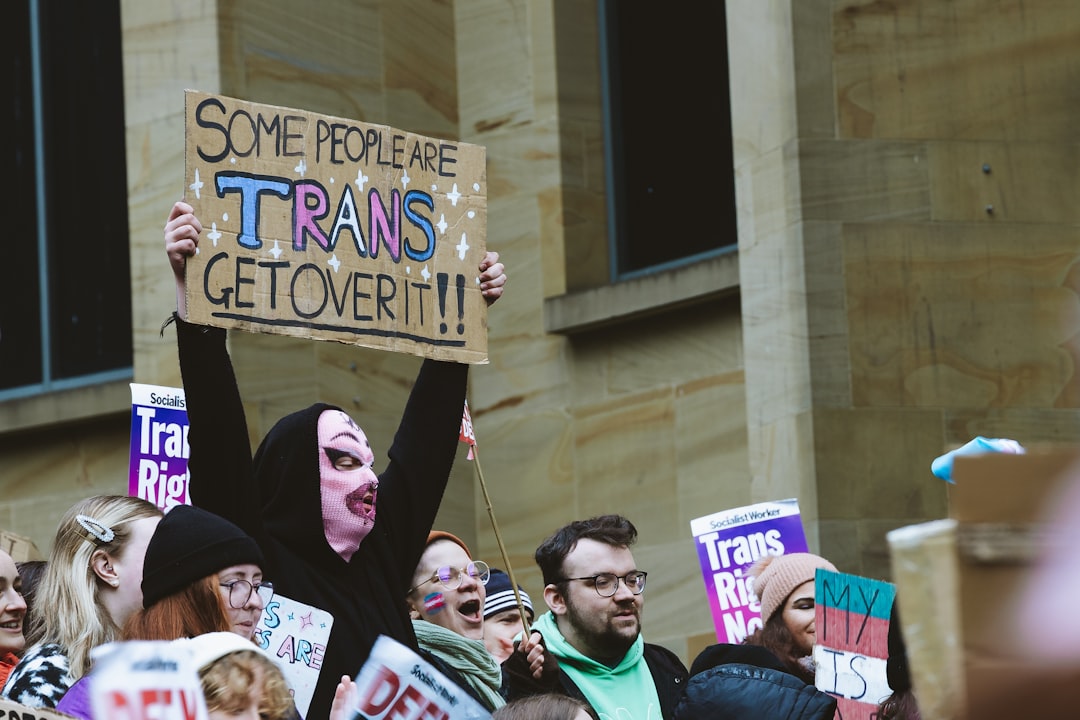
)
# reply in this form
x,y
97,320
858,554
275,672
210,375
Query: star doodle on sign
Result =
x,y
471,214
276,252
305,621
405,179
453,195
462,247
213,234
361,178
197,185
426,274
301,168
441,224
334,262
292,616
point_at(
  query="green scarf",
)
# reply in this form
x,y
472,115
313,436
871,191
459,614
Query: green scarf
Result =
x,y
469,657
625,691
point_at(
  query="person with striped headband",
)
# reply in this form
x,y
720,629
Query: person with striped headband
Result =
x,y
502,618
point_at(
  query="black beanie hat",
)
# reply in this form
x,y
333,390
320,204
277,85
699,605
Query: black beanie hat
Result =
x,y
188,544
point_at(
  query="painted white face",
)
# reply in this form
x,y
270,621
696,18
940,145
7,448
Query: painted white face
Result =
x,y
349,486
243,619
12,607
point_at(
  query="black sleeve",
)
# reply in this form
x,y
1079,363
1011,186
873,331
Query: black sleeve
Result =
x,y
220,461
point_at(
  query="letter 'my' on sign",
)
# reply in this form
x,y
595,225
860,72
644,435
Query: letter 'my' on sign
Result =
x,y
322,227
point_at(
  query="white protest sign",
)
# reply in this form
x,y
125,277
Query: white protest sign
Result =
x,y
396,683
145,679
295,636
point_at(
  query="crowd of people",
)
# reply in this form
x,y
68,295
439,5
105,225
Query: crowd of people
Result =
x,y
307,516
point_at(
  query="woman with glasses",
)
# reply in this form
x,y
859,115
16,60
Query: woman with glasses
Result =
x,y
201,574
446,604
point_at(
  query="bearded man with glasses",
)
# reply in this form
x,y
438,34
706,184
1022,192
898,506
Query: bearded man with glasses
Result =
x,y
594,591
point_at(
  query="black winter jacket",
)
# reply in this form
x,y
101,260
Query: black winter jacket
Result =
x,y
739,690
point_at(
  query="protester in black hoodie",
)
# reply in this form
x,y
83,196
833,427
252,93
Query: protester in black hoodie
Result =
x,y
308,496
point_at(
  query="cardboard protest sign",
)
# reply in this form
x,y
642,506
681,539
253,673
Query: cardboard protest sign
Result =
x,y
728,543
295,635
395,682
145,679
851,647
157,469
14,711
323,227
19,547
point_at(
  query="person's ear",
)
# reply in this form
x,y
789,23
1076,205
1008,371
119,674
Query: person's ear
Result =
x,y
414,614
555,599
102,565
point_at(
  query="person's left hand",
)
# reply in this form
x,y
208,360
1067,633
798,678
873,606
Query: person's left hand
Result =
x,y
492,277
541,663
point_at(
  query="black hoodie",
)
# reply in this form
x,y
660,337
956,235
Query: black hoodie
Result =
x,y
275,498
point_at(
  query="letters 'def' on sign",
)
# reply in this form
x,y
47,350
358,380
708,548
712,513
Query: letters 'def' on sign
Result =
x,y
321,227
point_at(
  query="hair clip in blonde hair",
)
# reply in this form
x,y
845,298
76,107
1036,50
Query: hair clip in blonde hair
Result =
x,y
95,531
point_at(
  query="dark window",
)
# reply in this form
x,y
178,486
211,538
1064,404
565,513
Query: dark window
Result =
x,y
668,114
65,300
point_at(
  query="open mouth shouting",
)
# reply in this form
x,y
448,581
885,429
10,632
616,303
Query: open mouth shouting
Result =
x,y
361,501
471,610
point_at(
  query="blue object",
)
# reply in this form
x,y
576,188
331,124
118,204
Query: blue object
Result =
x,y
942,465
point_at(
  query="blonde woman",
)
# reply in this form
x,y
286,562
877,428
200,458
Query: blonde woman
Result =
x,y
92,584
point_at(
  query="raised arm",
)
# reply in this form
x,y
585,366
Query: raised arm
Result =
x,y
220,462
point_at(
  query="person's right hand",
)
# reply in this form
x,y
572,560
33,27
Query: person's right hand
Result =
x,y
344,699
181,241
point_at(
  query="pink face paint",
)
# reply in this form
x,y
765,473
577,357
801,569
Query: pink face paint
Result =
x,y
434,603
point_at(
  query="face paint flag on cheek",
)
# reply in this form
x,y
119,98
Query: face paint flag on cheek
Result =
x,y
434,603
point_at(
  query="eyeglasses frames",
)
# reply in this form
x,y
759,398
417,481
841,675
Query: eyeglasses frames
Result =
x,y
450,577
607,584
240,592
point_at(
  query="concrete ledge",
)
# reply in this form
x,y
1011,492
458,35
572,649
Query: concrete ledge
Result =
x,y
64,406
632,299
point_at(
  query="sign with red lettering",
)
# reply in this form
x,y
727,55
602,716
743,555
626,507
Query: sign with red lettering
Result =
x,y
295,635
728,543
851,645
323,227
397,683
142,679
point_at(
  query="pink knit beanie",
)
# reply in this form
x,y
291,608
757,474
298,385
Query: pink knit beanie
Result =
x,y
775,576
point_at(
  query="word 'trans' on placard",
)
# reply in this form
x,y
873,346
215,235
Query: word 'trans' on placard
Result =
x,y
728,544
157,467
334,229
